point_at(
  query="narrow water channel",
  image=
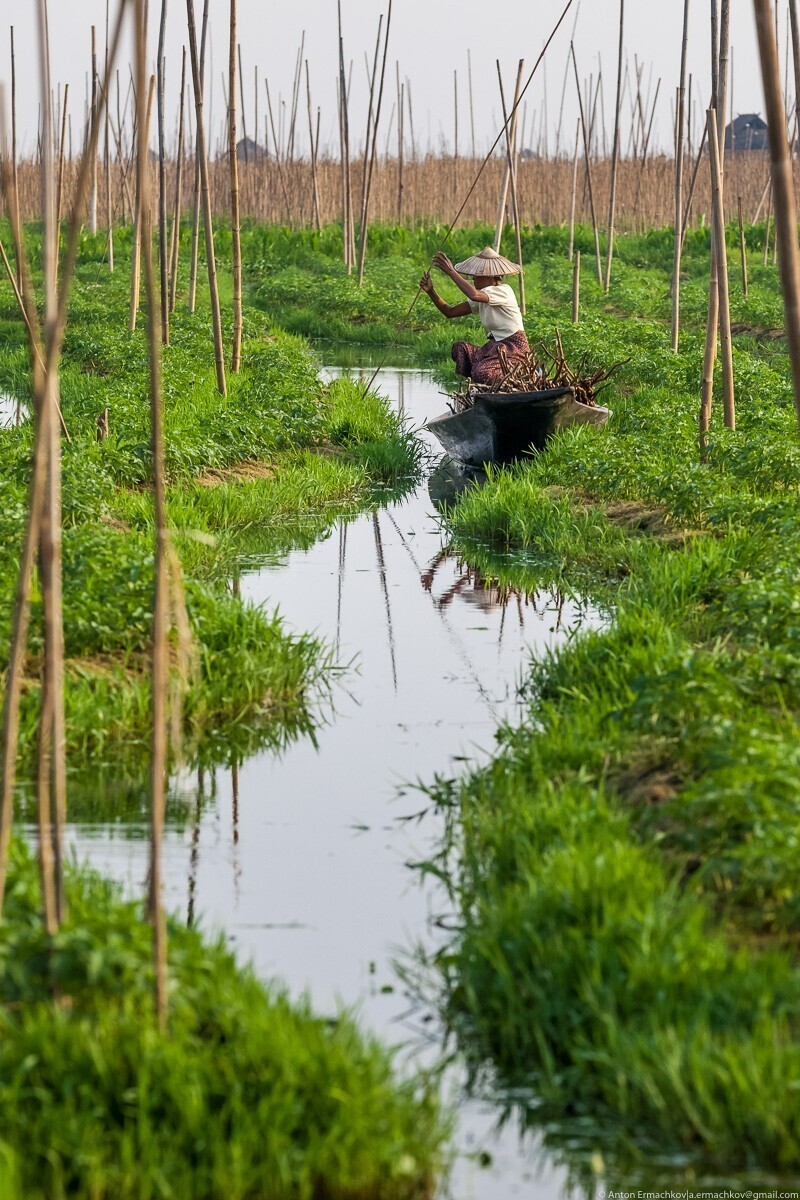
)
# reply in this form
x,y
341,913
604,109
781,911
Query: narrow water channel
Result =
x,y
303,858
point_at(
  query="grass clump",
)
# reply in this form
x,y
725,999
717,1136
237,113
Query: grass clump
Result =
x,y
249,1094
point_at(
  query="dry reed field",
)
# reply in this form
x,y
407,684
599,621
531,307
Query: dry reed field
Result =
x,y
282,193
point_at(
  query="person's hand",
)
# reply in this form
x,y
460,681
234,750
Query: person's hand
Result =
x,y
441,261
426,284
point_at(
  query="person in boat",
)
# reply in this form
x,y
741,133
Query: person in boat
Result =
x,y
493,299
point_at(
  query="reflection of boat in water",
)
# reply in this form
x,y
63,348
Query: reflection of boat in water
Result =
x,y
502,427
450,480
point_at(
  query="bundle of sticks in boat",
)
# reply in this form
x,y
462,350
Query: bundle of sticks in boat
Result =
x,y
540,370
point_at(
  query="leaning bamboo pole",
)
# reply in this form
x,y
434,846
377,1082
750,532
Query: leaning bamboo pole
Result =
x,y
211,264
14,174
728,385
679,153
575,159
233,157
783,185
612,204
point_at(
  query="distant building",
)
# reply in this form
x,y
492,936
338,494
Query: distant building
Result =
x,y
249,151
748,132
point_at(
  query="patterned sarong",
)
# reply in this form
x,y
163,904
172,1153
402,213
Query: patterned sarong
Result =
x,y
482,364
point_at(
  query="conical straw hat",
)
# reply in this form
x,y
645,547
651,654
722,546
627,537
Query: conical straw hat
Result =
x,y
489,263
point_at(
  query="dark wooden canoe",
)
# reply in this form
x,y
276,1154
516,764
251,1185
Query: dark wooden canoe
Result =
x,y
504,427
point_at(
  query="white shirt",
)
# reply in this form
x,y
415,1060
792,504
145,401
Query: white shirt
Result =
x,y
501,317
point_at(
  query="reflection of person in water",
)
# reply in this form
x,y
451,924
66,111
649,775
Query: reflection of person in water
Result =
x,y
496,305
469,585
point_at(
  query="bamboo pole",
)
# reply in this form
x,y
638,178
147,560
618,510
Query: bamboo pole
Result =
x,y
501,212
371,132
574,191
471,103
718,226
679,147
726,338
401,110
511,150
712,321
163,255
576,289
161,603
52,775
313,153
176,220
192,299
588,170
133,311
236,245
60,185
783,185
92,119
14,172
743,249
612,204
362,249
211,264
795,28
107,165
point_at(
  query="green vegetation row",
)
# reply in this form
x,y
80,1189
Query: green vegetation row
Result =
x,y
626,869
309,451
249,1095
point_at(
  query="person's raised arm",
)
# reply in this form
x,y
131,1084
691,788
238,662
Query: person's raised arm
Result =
x,y
470,291
448,310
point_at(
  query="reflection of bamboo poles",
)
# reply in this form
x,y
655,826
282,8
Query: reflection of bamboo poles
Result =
x,y
385,588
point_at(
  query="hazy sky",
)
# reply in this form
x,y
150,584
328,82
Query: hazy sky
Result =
x,y
429,39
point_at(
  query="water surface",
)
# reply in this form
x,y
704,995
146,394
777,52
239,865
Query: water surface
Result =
x,y
303,858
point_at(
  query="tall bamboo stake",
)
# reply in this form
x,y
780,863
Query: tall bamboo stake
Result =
x,y
501,211
211,264
576,289
511,151
176,220
722,268
107,164
52,766
14,132
588,171
679,147
612,204
236,245
362,249
92,118
783,185
574,190
163,260
133,311
471,103
728,385
313,153
401,110
795,27
712,321
742,249
192,299
60,185
161,602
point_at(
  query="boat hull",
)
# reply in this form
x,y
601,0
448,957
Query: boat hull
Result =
x,y
504,427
